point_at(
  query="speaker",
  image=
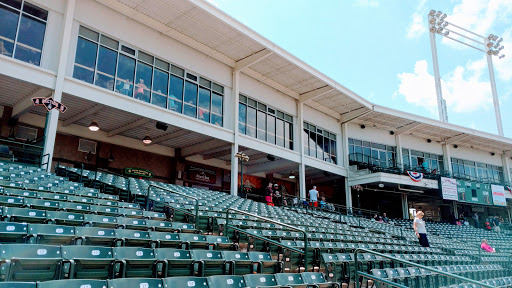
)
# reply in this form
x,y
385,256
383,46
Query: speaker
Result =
x,y
161,126
12,122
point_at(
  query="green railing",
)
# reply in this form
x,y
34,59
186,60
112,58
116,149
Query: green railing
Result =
x,y
47,163
305,252
21,152
177,193
377,279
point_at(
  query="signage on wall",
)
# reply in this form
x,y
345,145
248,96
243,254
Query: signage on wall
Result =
x,y
138,172
449,188
471,192
202,175
49,104
498,195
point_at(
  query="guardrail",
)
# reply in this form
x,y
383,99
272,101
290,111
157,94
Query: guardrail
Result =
x,y
377,279
45,163
178,193
305,252
115,174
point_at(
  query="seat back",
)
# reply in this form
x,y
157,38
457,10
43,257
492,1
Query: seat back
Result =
x,y
186,281
257,280
52,234
30,262
71,283
135,282
285,279
226,281
313,277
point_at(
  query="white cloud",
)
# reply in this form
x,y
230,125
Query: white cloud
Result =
x,y
463,89
418,27
367,3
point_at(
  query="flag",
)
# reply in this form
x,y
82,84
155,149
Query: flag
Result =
x,y
415,176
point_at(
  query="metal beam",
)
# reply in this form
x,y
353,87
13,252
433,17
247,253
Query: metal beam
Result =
x,y
407,128
26,103
315,93
456,139
82,115
202,147
352,115
221,153
271,166
252,59
175,134
253,157
127,127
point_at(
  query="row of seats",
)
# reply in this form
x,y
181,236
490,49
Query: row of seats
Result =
x,y
498,282
12,232
305,279
33,262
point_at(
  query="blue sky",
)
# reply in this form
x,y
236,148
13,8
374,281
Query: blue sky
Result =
x,y
380,49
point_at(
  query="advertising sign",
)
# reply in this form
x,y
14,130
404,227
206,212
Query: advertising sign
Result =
x,y
138,172
471,192
498,195
449,188
202,175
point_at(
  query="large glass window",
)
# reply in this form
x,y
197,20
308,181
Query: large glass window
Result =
x,y
23,37
413,159
476,171
372,153
319,143
265,123
105,62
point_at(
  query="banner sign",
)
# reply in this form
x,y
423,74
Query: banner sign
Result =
x,y
498,195
202,175
138,172
49,104
415,176
471,192
449,188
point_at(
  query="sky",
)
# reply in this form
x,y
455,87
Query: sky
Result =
x,y
380,49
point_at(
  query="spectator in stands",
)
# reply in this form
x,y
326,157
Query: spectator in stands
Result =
x,y
420,230
496,224
385,218
488,224
268,194
485,246
313,197
277,197
423,164
476,219
322,202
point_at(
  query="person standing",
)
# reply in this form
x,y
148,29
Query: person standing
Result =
x,y
313,197
420,230
385,218
476,219
496,224
268,194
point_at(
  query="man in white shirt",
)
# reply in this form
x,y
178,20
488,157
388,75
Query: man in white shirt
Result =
x,y
313,196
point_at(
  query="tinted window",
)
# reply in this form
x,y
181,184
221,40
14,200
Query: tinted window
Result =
x,y
106,69
190,99
143,81
160,84
251,121
242,116
204,105
85,60
216,109
8,26
125,75
175,94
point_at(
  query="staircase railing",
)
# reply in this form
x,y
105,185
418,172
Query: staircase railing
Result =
x,y
305,252
115,174
196,208
427,268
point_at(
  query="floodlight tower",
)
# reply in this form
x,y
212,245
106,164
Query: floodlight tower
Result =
x,y
490,45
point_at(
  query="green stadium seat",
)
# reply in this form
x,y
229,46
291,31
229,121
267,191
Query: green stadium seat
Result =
x,y
174,262
132,213
12,232
261,280
73,283
196,282
104,202
135,283
18,285
19,193
92,220
134,262
11,201
318,279
95,236
28,215
264,263
239,263
80,199
220,243
52,196
183,227
154,215
157,225
87,262
226,281
65,218
41,204
209,263
131,223
128,205
50,234
165,240
104,210
128,237
29,262
193,241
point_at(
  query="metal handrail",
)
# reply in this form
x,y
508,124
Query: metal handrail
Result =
x,y
446,274
46,163
115,174
275,222
179,193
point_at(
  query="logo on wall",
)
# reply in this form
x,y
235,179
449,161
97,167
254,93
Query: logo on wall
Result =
x,y
415,176
138,172
202,175
49,104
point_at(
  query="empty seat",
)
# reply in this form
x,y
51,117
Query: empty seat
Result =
x,y
73,283
261,280
131,223
174,262
74,207
18,285
134,262
41,204
239,263
50,234
220,243
30,262
208,263
66,218
126,237
196,282
87,262
318,279
11,232
157,225
29,215
94,236
226,281
265,263
165,240
12,201
193,241
289,279
135,283
100,221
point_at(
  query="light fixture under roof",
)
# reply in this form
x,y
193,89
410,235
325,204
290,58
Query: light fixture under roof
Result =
x,y
147,140
94,126
291,176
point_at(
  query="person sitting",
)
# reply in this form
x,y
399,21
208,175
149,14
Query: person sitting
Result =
x,y
322,203
385,218
488,224
485,246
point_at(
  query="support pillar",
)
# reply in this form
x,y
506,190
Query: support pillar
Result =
x,y
405,206
455,210
399,157
348,196
506,169
302,181
344,154
447,159
234,146
300,138
52,117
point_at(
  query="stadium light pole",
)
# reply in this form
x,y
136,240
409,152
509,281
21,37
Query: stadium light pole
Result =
x,y
244,158
490,45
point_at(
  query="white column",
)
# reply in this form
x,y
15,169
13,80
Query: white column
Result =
x,y
234,147
53,116
506,168
405,206
344,155
437,77
495,100
300,138
399,157
447,159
